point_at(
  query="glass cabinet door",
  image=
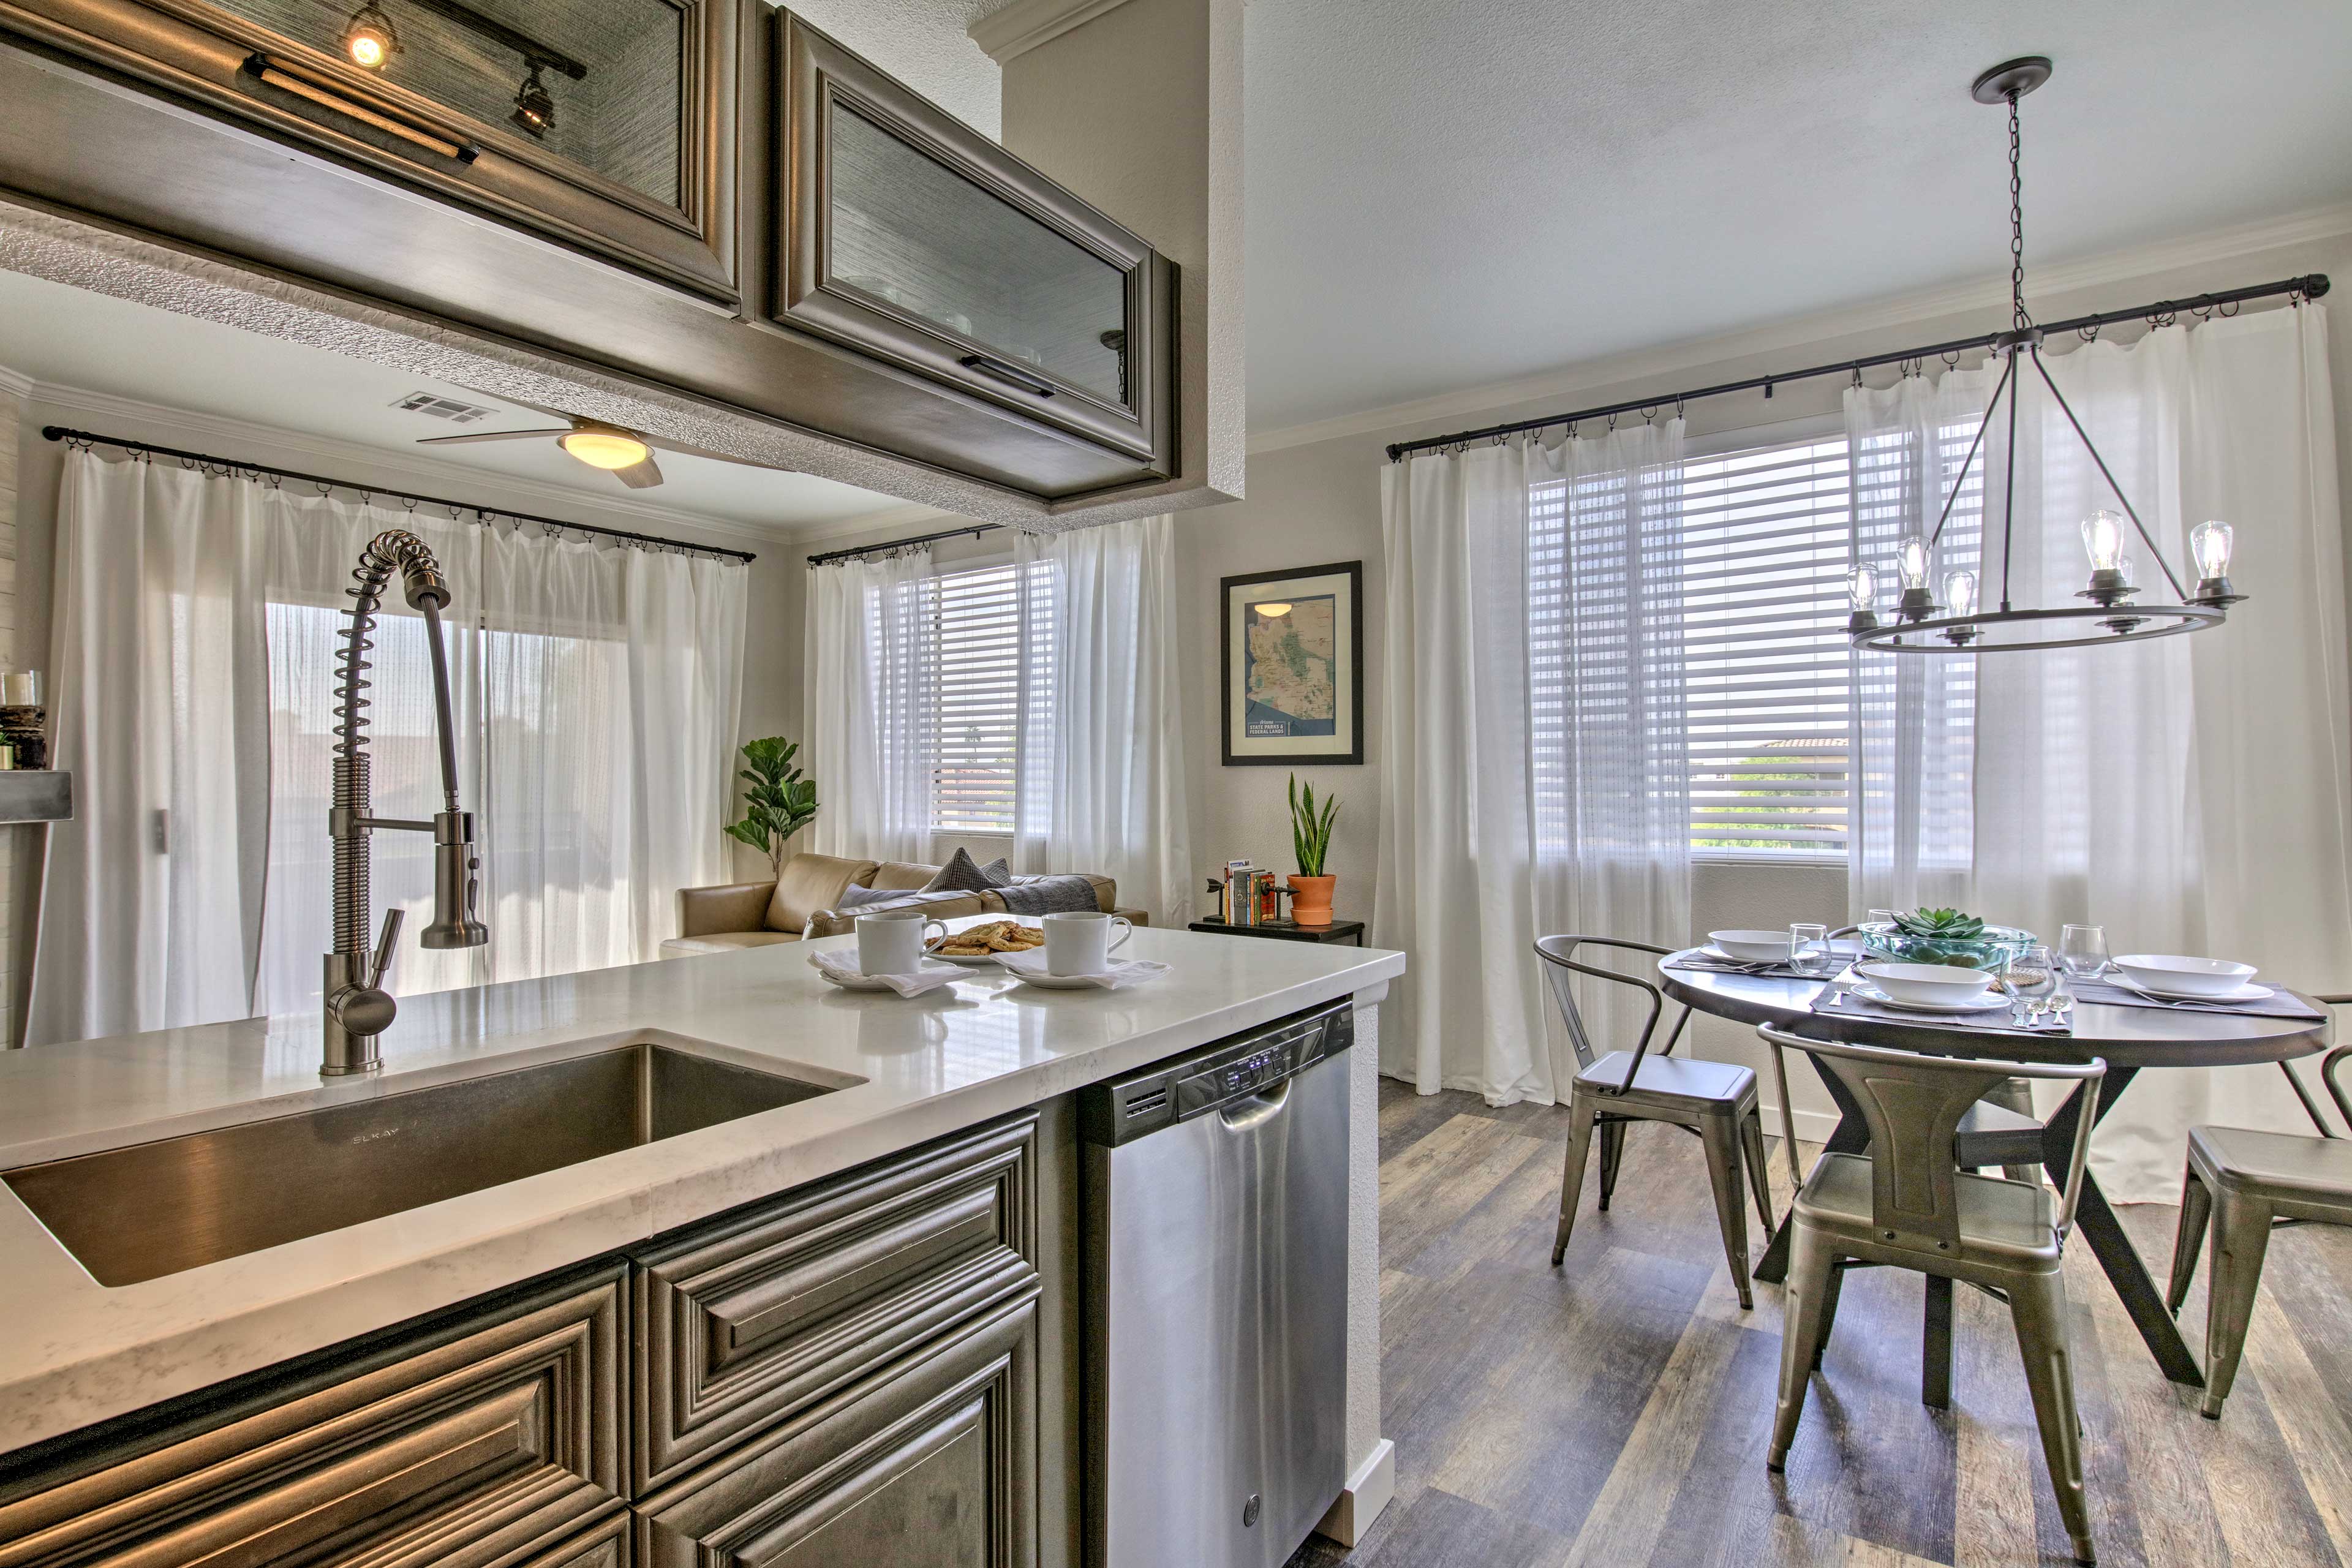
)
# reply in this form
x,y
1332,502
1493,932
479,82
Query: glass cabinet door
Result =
x,y
912,237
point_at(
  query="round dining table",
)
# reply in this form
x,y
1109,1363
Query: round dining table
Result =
x,y
2131,1040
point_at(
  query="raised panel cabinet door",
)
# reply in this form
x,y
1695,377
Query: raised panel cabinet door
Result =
x,y
906,235
929,1463
608,127
742,1321
494,1435
607,1543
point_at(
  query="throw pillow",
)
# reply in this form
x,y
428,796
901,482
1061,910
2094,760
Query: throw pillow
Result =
x,y
854,896
962,874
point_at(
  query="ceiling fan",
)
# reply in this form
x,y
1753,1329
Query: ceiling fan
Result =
x,y
625,454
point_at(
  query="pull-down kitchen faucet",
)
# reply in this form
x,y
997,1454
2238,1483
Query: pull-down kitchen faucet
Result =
x,y
358,1008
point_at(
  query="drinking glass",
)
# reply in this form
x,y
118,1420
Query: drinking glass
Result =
x,y
2083,950
2028,980
1809,948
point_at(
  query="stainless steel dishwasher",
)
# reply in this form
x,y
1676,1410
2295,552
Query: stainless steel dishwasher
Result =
x,y
1216,1282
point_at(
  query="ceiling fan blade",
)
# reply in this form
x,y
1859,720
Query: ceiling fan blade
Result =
x,y
666,445
639,476
490,436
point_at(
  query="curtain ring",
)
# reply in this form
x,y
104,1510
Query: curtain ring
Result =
x,y
2231,309
1649,414
1678,408
1951,359
326,491
408,505
1572,428
1612,423
1858,378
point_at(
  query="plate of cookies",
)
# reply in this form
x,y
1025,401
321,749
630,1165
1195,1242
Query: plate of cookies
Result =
x,y
982,942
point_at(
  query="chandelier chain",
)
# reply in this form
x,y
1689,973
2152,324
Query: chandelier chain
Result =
x,y
2019,319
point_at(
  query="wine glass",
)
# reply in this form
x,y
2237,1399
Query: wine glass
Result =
x,y
1809,948
2028,978
2083,950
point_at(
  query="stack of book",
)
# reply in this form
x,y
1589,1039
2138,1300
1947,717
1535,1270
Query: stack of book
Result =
x,y
1246,895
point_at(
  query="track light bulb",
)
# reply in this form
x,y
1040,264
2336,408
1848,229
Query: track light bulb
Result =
x,y
369,38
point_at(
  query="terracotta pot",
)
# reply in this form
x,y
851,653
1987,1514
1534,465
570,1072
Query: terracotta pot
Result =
x,y
1310,899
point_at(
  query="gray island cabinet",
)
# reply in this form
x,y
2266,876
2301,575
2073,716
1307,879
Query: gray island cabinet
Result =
x,y
847,1372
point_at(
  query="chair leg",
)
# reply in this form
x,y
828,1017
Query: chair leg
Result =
x,y
1804,1303
1580,1114
1830,1294
1612,1156
1760,1166
1721,1136
2196,1208
2037,1303
1935,1346
2242,1234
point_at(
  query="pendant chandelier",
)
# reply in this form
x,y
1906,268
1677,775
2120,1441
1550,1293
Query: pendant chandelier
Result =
x,y
1919,623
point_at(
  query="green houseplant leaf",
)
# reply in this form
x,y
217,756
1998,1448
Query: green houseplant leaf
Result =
x,y
777,801
1310,827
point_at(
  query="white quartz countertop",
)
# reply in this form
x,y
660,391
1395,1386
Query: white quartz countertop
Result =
x,y
73,1352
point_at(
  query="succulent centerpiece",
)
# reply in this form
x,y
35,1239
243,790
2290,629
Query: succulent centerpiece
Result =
x,y
1944,936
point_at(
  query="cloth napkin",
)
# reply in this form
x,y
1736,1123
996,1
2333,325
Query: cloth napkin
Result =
x,y
843,966
1122,972
2279,1003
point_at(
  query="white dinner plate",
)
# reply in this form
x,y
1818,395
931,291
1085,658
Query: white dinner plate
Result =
x,y
2251,991
1989,1002
865,981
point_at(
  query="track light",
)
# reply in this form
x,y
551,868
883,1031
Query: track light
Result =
x,y
370,39
534,109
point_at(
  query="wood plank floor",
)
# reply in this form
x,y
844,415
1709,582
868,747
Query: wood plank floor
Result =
x,y
1614,1411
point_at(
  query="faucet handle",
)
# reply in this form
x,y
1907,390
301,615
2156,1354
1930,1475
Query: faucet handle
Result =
x,y
384,946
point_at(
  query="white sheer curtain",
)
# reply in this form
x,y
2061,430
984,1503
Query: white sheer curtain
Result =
x,y
1534,775
871,698
1912,733
1102,755
2190,795
198,619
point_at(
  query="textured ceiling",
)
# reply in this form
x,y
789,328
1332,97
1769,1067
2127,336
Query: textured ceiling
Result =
x,y
1444,194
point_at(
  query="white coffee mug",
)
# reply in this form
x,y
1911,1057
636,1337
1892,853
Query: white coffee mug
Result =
x,y
1077,941
891,942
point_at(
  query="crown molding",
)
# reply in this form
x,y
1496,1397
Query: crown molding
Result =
x,y
913,516
1025,24
15,382
300,448
2112,267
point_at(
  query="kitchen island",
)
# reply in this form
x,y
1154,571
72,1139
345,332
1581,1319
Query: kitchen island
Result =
x,y
888,1075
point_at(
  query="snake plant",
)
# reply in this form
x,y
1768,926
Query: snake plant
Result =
x,y
1310,827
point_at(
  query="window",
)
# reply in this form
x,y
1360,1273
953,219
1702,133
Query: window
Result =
x,y
1743,557
976,618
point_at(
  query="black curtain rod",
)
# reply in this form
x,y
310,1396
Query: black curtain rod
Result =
x,y
856,550
481,513
2309,286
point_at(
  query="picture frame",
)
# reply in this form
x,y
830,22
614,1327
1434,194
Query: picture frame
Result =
x,y
1291,667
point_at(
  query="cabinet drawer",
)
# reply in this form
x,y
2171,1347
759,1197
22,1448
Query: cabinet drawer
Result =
x,y
929,1463
772,1309
499,1433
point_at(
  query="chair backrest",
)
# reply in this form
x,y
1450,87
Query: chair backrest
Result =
x,y
1561,965
1913,1105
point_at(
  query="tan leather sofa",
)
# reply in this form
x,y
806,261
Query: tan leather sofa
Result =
x,y
800,903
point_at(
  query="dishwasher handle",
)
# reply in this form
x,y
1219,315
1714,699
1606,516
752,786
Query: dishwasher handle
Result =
x,y
1256,1109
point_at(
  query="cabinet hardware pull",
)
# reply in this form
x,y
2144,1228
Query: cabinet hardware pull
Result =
x,y
261,67
1000,370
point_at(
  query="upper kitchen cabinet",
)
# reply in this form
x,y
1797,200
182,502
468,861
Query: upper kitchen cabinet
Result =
x,y
903,235
606,125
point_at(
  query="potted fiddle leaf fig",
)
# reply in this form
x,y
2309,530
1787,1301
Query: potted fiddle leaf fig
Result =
x,y
777,801
1310,837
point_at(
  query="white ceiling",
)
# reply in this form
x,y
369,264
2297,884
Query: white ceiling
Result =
x,y
70,337
1442,193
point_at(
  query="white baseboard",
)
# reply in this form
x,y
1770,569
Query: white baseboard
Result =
x,y
1812,1126
1369,1491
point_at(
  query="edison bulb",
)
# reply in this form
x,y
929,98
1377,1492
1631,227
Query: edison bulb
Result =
x,y
1862,587
366,48
1959,593
2211,542
1911,563
2102,538
604,448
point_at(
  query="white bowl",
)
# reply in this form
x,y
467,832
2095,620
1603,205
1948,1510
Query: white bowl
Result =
x,y
1753,946
1927,984
2175,975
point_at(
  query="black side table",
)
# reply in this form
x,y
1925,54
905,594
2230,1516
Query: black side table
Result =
x,y
1290,931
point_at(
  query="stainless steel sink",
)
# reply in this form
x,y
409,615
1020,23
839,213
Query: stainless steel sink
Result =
x,y
152,1209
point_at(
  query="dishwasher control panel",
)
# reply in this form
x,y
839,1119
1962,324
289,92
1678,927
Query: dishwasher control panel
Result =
x,y
1150,1097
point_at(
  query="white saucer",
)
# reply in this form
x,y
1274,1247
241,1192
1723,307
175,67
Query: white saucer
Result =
x,y
1044,981
2250,991
1986,1003
866,982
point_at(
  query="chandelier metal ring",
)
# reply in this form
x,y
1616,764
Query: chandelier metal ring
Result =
x,y
1984,633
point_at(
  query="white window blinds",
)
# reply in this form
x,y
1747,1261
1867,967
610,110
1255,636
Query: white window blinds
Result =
x,y
976,617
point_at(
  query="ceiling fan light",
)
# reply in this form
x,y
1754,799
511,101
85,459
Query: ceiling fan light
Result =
x,y
604,448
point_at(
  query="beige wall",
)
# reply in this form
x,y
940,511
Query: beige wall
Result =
x,y
19,845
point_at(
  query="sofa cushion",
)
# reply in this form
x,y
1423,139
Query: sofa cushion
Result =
x,y
963,874
940,906
902,876
724,941
810,883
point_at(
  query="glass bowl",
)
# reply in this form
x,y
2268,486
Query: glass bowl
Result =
x,y
1995,947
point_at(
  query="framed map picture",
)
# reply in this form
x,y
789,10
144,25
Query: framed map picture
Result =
x,y
1294,666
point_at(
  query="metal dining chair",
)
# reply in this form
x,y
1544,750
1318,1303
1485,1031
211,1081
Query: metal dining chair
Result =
x,y
1908,1204
2246,1184
1714,1101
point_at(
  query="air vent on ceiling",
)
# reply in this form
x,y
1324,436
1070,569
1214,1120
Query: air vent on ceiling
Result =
x,y
441,408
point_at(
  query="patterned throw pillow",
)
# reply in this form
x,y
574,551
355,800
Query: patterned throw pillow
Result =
x,y
962,874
